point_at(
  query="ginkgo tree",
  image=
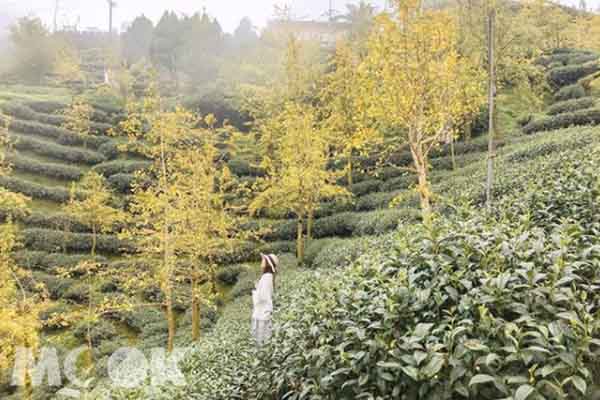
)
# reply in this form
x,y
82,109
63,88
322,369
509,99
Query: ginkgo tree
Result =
x,y
156,219
91,204
298,178
345,111
20,303
417,83
211,224
178,206
78,118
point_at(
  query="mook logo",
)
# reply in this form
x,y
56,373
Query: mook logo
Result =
x,y
128,368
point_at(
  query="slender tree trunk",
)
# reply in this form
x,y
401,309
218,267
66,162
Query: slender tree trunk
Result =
x,y
491,98
195,311
170,320
424,192
309,225
452,153
468,131
94,241
350,166
300,240
420,162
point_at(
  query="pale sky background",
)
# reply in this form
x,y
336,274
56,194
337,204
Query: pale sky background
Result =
x,y
94,13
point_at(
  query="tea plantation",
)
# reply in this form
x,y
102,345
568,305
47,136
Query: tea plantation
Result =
x,y
482,304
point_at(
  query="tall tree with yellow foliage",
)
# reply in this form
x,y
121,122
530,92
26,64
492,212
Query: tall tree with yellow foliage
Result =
x,y
91,205
211,224
298,178
19,305
157,216
345,111
418,84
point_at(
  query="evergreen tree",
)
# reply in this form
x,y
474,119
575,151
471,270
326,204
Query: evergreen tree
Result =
x,y
137,40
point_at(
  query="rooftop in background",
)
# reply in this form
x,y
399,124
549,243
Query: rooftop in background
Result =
x,y
327,33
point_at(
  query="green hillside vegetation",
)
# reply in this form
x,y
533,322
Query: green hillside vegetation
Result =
x,y
434,243
464,307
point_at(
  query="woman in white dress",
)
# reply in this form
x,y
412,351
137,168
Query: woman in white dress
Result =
x,y
262,299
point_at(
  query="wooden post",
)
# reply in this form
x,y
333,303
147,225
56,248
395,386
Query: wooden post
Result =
x,y
491,98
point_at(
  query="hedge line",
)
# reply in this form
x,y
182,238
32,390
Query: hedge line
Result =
x,y
50,170
42,260
582,117
25,113
53,241
110,168
244,168
571,105
574,91
62,136
122,183
570,74
57,151
58,221
347,224
34,190
51,107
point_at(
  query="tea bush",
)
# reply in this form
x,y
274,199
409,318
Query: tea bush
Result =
x,y
244,168
365,187
100,331
122,183
115,167
468,307
42,260
570,92
56,241
576,118
571,105
56,151
50,170
35,190
62,136
570,74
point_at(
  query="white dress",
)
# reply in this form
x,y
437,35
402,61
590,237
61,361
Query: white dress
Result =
x,y
262,300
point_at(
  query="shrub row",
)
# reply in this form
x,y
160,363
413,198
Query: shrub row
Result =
x,y
582,117
121,167
570,58
58,221
244,168
50,170
571,105
56,151
57,286
42,260
570,74
122,183
347,224
56,241
62,136
51,107
570,92
34,190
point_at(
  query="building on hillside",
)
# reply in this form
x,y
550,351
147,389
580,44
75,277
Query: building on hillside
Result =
x,y
324,32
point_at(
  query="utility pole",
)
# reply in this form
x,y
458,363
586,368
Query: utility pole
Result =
x,y
330,10
491,98
56,8
111,5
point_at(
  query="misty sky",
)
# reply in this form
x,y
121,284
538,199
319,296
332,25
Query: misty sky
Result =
x,y
94,13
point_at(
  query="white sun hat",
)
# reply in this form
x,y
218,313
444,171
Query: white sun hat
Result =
x,y
272,260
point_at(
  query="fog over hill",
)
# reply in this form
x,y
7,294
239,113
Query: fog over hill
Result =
x,y
228,12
